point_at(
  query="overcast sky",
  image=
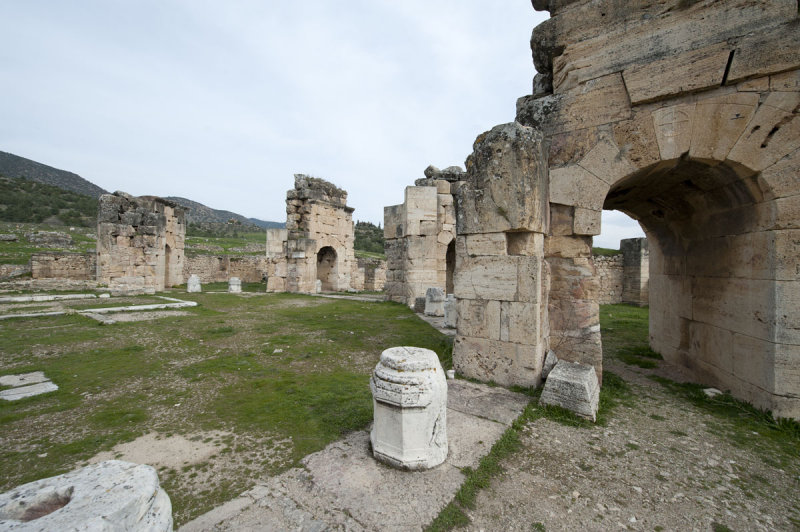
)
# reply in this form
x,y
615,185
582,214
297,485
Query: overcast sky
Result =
x,y
222,102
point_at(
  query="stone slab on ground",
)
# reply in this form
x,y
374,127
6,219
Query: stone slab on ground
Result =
x,y
574,387
343,487
108,496
15,394
23,379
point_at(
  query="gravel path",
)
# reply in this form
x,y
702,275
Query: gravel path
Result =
x,y
660,464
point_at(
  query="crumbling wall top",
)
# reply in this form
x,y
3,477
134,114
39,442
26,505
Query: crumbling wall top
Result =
x,y
316,189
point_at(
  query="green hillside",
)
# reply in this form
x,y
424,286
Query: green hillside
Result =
x,y
28,201
369,238
15,166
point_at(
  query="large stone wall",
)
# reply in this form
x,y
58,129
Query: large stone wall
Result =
x,y
420,237
610,275
624,277
61,265
318,243
683,115
220,268
140,243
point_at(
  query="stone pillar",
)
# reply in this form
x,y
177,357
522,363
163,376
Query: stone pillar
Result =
x,y
434,302
193,285
409,393
635,271
500,276
234,285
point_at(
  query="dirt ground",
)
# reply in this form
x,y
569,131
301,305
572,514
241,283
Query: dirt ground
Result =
x,y
660,464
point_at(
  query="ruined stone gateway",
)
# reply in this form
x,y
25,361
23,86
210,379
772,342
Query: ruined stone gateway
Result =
x,y
140,243
315,251
684,115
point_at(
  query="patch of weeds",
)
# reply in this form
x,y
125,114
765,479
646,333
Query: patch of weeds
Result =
x,y
678,433
632,446
330,405
743,421
585,467
537,527
657,417
719,527
640,356
219,332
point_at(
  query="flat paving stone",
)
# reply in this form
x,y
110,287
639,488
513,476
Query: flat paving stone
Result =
x,y
14,394
23,379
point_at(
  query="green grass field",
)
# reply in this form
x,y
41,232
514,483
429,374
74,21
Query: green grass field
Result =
x,y
281,375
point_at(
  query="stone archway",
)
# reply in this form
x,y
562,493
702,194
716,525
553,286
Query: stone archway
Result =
x,y
719,203
327,269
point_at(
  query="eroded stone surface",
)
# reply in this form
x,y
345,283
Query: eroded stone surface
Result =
x,y
23,379
434,302
108,496
409,393
15,394
574,387
193,284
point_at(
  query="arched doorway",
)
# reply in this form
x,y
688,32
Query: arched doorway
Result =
x,y
327,269
450,265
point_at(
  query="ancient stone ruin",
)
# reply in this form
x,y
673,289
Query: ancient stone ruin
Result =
x,y
420,237
625,276
409,396
317,244
684,115
140,243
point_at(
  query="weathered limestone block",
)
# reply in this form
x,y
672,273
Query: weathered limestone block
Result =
x,y
108,496
409,393
598,101
450,311
420,205
505,363
234,285
506,183
574,387
434,302
193,284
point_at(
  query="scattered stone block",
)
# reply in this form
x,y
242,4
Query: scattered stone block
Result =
x,y
234,285
193,285
317,286
112,495
409,393
574,387
450,311
23,379
8,238
419,305
711,392
434,302
15,394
